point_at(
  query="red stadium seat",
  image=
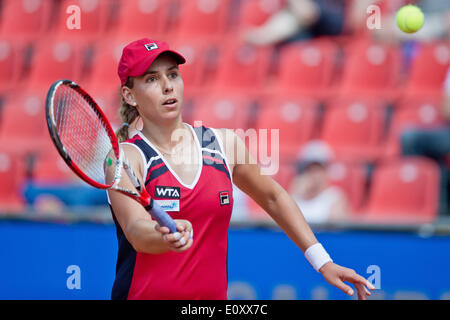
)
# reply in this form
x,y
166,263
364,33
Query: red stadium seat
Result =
x,y
222,111
12,176
53,61
12,59
307,68
295,118
50,167
428,69
255,12
242,67
202,19
143,18
371,69
405,190
197,55
25,19
102,81
23,125
346,101
94,19
351,178
354,131
412,113
103,68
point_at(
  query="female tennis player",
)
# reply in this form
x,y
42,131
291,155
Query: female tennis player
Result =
x,y
189,171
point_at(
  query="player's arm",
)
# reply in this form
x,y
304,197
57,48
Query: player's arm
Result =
x,y
283,209
267,193
141,231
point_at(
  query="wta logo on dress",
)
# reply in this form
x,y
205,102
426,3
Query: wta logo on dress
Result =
x,y
169,198
167,192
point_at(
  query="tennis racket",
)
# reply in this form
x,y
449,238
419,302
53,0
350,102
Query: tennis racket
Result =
x,y
86,141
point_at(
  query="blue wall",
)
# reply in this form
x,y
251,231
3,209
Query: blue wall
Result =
x,y
262,264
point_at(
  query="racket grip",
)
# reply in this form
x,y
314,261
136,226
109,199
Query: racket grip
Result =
x,y
161,216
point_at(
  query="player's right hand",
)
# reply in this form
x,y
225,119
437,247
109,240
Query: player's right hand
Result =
x,y
179,241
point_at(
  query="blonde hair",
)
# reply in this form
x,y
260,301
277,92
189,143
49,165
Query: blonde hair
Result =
x,y
128,114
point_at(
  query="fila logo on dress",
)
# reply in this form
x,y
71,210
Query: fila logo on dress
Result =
x,y
224,198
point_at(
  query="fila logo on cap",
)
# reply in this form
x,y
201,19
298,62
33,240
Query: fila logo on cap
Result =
x,y
151,46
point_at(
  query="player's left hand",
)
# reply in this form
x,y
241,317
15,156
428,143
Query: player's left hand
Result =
x,y
179,241
336,275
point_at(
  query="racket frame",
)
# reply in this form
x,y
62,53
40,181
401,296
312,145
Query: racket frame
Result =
x,y
143,196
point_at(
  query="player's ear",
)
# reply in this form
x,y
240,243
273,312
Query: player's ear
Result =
x,y
128,95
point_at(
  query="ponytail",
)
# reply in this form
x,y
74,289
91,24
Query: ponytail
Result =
x,y
128,114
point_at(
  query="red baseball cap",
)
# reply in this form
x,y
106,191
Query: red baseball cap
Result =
x,y
139,55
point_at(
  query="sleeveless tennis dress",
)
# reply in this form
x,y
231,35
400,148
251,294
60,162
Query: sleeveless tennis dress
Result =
x,y
201,271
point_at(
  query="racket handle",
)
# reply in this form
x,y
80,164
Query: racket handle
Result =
x,y
161,216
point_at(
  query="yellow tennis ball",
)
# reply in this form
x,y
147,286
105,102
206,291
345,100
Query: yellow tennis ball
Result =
x,y
410,18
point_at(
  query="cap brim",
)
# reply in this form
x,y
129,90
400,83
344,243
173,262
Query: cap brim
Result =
x,y
304,165
148,61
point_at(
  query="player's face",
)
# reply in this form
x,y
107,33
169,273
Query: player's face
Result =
x,y
159,92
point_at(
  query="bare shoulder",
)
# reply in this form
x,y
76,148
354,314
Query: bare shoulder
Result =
x,y
234,148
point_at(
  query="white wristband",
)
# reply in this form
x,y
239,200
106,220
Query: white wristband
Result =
x,y
317,256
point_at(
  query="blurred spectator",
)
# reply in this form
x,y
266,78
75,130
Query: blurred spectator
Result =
x,y
299,19
434,143
318,200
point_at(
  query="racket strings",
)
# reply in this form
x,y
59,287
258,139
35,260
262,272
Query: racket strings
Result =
x,y
82,132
